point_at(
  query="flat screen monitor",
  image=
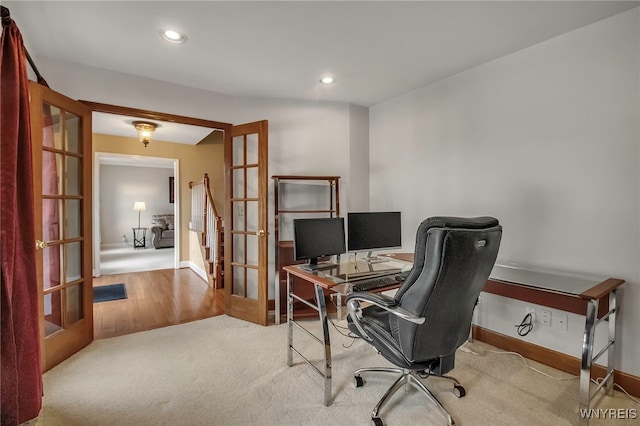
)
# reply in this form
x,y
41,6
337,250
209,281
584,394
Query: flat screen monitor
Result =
x,y
318,237
368,231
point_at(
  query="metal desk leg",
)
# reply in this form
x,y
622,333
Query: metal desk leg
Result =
x,y
277,297
289,321
588,358
474,319
611,354
339,312
322,311
587,354
321,307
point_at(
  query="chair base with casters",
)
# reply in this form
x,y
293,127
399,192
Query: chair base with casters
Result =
x,y
407,377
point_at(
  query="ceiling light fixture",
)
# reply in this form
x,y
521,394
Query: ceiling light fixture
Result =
x,y
145,130
173,36
327,80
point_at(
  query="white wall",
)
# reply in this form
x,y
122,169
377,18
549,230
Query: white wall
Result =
x,y
358,159
120,188
545,139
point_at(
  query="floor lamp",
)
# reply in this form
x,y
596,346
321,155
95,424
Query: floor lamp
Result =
x,y
139,206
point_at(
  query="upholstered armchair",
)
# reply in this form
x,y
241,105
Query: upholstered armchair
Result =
x,y
162,230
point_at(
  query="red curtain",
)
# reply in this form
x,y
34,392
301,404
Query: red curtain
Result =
x,y
21,377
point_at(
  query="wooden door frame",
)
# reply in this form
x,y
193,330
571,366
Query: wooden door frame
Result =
x,y
227,140
159,116
154,115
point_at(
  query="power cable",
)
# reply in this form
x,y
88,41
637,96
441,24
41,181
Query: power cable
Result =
x,y
526,325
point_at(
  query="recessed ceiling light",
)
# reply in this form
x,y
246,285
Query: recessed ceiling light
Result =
x,y
173,36
327,80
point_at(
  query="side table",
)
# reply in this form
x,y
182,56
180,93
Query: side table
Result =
x,y
139,237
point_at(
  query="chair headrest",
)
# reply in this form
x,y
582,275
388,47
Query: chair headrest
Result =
x,y
480,222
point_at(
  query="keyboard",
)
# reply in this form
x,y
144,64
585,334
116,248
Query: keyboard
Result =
x,y
375,283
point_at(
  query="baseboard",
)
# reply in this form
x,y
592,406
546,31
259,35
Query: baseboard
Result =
x,y
195,268
553,358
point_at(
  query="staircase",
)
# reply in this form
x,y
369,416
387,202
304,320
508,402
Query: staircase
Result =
x,y
207,222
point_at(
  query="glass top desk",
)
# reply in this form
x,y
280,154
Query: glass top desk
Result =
x,y
591,296
336,280
588,295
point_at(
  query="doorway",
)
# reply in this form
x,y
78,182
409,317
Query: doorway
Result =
x,y
245,277
117,180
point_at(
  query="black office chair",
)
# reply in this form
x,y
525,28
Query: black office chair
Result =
x,y
420,328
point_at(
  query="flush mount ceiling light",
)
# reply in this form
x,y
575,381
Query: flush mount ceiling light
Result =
x,y
173,36
145,130
327,80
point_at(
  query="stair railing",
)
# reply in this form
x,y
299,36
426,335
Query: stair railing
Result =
x,y
206,220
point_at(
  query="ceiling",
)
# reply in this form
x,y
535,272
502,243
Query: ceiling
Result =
x,y
120,125
374,50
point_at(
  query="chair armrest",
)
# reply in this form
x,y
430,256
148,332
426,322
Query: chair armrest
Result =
x,y
385,302
377,299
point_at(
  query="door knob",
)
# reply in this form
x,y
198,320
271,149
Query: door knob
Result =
x,y
41,245
261,233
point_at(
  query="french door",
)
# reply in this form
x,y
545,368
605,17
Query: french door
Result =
x,y
246,222
61,142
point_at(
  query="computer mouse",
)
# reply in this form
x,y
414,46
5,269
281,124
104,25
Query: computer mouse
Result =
x,y
400,278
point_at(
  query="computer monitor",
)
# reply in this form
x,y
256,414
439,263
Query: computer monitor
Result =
x,y
368,231
318,237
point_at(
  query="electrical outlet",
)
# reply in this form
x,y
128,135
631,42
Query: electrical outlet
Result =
x,y
532,311
545,317
560,321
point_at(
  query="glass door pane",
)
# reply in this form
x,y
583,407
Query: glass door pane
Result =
x,y
62,218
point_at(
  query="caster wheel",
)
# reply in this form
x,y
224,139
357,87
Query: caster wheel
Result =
x,y
358,381
459,391
376,421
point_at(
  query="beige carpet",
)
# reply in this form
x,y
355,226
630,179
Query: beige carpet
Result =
x,y
223,371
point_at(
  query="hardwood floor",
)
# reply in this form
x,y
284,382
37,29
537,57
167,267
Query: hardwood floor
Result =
x,y
155,299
